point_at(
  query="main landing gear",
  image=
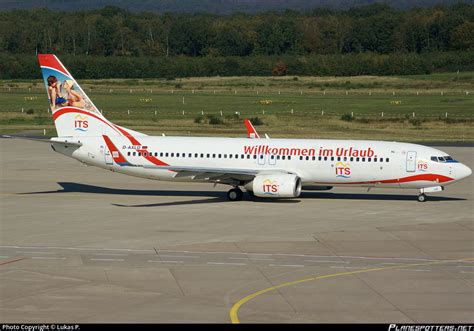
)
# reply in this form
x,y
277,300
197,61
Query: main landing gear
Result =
x,y
235,194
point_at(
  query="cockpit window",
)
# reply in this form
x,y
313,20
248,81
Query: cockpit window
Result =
x,y
443,159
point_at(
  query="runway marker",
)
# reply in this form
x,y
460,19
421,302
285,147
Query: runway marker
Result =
x,y
233,313
118,260
47,258
181,256
157,261
23,252
110,254
225,263
287,265
413,270
319,261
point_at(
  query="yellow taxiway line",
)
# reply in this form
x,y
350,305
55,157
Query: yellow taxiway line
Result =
x,y
233,313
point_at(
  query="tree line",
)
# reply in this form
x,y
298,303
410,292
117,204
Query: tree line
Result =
x,y
371,39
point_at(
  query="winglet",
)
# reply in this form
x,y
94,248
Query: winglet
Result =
x,y
251,132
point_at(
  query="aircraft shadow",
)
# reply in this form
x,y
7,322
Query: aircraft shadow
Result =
x,y
217,196
371,196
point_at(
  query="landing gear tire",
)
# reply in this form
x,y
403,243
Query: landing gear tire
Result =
x,y
422,198
235,194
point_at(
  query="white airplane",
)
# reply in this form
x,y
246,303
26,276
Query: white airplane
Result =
x,y
273,168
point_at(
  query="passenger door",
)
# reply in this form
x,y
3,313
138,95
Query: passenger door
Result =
x,y
411,161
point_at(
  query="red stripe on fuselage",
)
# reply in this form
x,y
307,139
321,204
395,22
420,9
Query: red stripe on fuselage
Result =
x,y
135,142
424,177
112,148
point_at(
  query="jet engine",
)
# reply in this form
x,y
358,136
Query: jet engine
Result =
x,y
275,186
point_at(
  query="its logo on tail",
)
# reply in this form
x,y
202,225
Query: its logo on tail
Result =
x,y
81,123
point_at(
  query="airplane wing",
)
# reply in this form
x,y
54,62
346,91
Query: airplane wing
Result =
x,y
221,175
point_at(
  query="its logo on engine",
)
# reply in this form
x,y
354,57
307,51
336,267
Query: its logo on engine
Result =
x,y
81,123
270,187
343,170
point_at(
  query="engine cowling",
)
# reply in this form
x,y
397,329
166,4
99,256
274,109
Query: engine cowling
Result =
x,y
276,186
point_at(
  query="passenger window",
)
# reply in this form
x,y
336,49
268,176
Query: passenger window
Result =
x,y
261,156
369,159
139,154
208,155
272,157
332,158
248,156
213,156
134,154
166,154
236,156
230,156
255,157
325,158
128,153
319,158
339,158
352,159
301,158
278,157
381,159
242,156
363,159
386,159
307,158
289,157
375,159
345,158
314,158
357,159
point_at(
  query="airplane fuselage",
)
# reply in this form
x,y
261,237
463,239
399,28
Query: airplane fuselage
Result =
x,y
362,163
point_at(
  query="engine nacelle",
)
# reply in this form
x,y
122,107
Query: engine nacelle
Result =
x,y
275,186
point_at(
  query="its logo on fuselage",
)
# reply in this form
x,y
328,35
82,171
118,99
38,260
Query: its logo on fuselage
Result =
x,y
422,166
343,170
270,187
81,123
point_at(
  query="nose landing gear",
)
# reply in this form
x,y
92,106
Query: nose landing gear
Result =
x,y
421,197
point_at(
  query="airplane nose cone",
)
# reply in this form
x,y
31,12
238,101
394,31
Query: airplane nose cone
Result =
x,y
465,171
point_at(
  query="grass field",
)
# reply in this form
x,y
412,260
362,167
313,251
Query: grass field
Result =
x,y
409,108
